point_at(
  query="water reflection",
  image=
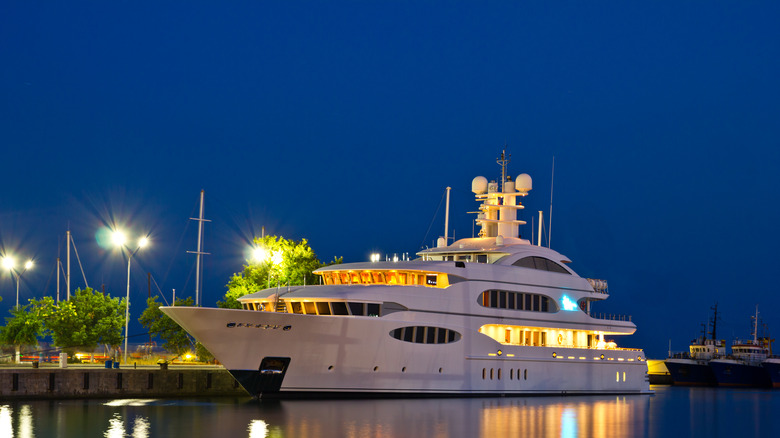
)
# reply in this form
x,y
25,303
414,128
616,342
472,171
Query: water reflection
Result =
x,y
670,412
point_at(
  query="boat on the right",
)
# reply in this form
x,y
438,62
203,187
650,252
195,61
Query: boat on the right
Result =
x,y
746,365
772,367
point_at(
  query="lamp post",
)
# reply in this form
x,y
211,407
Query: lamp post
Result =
x,y
10,264
120,240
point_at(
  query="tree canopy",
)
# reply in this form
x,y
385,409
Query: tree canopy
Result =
x,y
277,261
23,327
87,319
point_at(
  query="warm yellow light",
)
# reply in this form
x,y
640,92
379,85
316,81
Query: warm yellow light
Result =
x,y
276,258
118,238
143,242
259,254
187,356
8,263
28,264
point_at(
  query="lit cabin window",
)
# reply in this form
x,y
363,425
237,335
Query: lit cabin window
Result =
x,y
541,264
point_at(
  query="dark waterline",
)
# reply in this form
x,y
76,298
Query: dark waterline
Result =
x,y
670,412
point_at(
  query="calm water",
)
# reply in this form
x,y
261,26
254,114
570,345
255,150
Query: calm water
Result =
x,y
670,412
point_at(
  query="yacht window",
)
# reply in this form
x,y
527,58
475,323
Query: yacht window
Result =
x,y
419,336
322,308
482,258
430,335
338,308
441,336
296,307
356,308
308,306
503,299
373,309
541,264
425,335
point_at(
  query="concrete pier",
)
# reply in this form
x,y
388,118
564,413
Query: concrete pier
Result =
x,y
130,382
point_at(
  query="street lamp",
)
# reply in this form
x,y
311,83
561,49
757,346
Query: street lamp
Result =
x,y
120,240
10,264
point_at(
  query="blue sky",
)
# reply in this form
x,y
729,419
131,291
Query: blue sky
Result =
x,y
343,122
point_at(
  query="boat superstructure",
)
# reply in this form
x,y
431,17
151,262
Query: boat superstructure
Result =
x,y
486,315
693,368
743,367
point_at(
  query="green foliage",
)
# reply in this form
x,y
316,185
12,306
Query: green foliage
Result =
x,y
23,327
282,262
175,339
87,319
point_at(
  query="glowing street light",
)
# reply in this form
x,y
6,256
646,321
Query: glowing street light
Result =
x,y
120,239
10,264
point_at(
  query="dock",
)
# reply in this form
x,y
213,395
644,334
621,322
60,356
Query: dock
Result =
x,y
90,381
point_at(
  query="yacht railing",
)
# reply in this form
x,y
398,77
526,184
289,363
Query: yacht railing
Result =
x,y
611,316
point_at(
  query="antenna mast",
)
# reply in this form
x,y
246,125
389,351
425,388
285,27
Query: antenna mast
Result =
x,y
549,229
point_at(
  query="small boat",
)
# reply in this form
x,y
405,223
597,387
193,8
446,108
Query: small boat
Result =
x,y
693,368
744,366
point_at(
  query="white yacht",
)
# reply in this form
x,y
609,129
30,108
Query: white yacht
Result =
x,y
489,315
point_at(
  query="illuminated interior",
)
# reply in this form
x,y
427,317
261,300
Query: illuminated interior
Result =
x,y
385,277
546,337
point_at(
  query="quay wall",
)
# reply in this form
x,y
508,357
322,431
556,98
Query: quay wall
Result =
x,y
64,383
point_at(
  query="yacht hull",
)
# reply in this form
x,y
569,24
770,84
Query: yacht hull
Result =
x,y
286,355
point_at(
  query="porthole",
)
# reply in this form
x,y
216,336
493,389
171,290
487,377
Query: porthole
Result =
x,y
555,355
376,368
511,373
330,368
440,370
525,374
602,357
491,374
403,370
499,374
287,327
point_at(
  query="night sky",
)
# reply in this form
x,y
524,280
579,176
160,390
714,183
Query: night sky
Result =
x,y
343,123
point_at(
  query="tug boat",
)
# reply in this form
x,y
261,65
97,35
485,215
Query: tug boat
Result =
x,y
744,366
487,315
693,368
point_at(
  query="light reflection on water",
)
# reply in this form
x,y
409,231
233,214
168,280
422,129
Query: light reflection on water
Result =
x,y
670,412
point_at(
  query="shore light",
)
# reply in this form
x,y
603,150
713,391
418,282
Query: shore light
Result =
x,y
10,264
120,239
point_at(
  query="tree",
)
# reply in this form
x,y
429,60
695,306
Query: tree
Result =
x,y
175,339
277,261
87,319
22,328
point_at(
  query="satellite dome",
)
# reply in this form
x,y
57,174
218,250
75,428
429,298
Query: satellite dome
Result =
x,y
523,183
479,185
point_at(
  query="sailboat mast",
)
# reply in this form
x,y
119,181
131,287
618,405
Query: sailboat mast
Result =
x,y
200,247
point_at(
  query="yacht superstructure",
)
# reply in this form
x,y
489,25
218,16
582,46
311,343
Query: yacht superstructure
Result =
x,y
486,315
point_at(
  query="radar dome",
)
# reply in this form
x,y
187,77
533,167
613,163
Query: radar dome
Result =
x,y
523,183
479,185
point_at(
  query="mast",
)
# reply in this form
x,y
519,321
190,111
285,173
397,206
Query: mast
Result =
x,y
447,216
199,252
67,274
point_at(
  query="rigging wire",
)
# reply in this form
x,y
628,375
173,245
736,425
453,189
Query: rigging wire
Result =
x,y
435,214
